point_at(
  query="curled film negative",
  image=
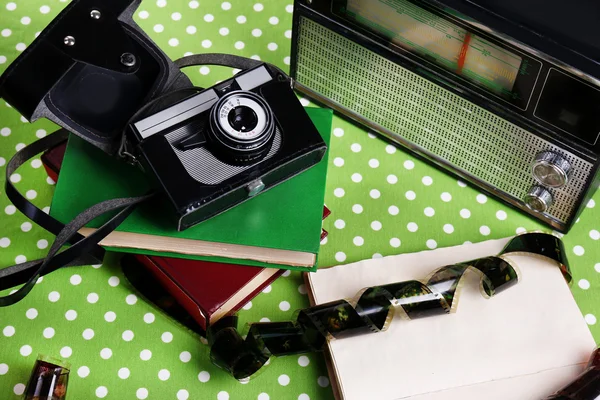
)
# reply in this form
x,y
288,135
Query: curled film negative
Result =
x,y
372,310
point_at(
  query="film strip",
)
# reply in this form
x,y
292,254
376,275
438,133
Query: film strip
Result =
x,y
372,310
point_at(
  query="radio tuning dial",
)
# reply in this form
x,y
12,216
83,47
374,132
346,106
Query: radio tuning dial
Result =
x,y
551,169
539,199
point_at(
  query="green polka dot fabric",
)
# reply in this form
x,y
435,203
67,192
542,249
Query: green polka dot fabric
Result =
x,y
384,201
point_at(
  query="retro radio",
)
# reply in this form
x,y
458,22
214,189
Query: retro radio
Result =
x,y
505,95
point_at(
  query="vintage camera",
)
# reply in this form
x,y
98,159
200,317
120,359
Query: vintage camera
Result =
x,y
218,148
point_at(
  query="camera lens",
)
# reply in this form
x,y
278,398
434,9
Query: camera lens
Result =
x,y
243,119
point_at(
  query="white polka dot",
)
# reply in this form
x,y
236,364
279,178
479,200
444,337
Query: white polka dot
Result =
x,y
75,279
222,395
25,350
377,255
4,242
204,376
323,381
340,256
32,313
597,267
48,333
164,374
357,209
578,250
338,162
127,336
206,44
375,194
481,198
376,225
88,334
446,197
501,215
167,337
393,210
50,181
239,45
141,393
461,184
114,281
10,210
594,234
265,319
432,244
302,289
448,228
194,4
42,244
484,230
258,7
410,195
158,28
590,319
14,178
2,59
340,224
256,32
283,380
339,192
356,178
92,298
427,180
358,241
264,396
53,296
412,227
20,146
145,355
286,61
176,16
83,372
174,42
183,394
3,369
40,133
287,273
584,284
284,306
591,204
273,20
390,149
149,318
124,373
392,179
21,47
5,131
106,353
161,3
11,6
19,389
71,315
429,212
465,213
44,9
66,352
289,8
131,299
185,356
8,331
395,242
373,163
20,259
143,14
324,241
224,31
268,289
356,147
408,164
101,392
26,226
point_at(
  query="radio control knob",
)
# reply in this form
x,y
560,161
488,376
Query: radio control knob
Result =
x,y
551,169
538,199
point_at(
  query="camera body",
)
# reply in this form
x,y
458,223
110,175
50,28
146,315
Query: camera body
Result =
x,y
223,146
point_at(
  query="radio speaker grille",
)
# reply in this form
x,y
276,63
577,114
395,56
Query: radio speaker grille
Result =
x,y
441,124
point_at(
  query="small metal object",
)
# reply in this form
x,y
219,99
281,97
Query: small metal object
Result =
x,y
95,14
69,41
128,59
551,169
255,187
539,199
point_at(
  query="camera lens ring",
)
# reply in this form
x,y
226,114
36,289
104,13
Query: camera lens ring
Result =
x,y
250,136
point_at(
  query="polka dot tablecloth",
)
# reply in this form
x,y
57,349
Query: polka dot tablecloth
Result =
x,y
384,201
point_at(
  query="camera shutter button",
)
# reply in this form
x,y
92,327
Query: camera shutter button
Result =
x,y
255,187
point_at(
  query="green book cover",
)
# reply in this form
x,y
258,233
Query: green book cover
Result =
x,y
286,218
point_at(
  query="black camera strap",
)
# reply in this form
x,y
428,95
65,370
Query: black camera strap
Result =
x,y
84,250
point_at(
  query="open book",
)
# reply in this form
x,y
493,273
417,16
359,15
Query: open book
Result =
x,y
522,344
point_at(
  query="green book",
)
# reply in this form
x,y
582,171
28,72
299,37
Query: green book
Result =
x,y
280,228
